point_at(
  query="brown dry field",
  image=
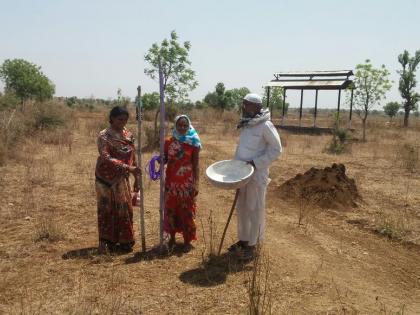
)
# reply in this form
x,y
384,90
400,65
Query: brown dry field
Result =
x,y
331,263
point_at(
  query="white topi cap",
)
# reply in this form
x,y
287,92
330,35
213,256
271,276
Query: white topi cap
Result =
x,y
253,98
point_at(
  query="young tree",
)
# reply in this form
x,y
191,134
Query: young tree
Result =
x,y
26,80
408,82
371,86
391,109
178,77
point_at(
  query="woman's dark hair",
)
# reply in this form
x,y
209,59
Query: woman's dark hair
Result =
x,y
118,111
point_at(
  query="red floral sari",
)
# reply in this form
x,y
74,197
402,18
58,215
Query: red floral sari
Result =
x,y
115,210
180,206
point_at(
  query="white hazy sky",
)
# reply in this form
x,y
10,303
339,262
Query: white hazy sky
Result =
x,y
95,47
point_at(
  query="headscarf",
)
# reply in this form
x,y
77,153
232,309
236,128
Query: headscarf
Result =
x,y
191,136
262,116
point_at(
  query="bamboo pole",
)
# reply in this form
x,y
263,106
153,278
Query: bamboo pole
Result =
x,y
139,163
162,164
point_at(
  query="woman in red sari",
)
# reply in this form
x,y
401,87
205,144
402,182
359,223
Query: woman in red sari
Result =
x,y
181,182
116,161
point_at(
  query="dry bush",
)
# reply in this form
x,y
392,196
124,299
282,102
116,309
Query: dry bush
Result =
x,y
13,127
17,126
152,138
231,117
51,114
201,129
259,285
408,155
383,309
94,125
62,137
109,300
47,229
149,115
395,226
209,234
40,172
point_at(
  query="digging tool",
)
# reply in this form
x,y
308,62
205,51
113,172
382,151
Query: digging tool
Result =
x,y
228,221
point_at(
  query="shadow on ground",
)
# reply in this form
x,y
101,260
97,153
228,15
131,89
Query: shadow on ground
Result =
x,y
82,253
92,253
214,270
157,252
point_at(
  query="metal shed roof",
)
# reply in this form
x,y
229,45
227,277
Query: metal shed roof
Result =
x,y
310,84
322,73
312,80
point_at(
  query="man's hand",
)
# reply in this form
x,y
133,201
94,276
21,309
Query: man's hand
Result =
x,y
252,163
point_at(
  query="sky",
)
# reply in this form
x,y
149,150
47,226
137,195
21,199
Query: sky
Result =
x,y
94,47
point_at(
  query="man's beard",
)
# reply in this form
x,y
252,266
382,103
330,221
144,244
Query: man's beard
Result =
x,y
252,114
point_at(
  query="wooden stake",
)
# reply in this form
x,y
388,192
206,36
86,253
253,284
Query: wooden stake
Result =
x,y
162,152
139,118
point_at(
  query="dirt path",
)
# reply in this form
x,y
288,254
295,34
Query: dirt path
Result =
x,y
324,266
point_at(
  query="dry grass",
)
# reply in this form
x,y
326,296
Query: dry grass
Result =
x,y
48,229
51,193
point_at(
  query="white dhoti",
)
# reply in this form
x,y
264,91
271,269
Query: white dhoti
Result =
x,y
251,212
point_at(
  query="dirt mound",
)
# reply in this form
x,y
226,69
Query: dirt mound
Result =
x,y
328,188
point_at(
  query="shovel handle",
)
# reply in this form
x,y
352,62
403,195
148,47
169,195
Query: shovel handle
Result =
x,y
228,221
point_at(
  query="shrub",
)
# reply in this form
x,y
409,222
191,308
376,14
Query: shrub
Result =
x,y
339,141
8,100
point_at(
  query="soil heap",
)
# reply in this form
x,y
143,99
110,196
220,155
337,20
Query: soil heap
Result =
x,y
328,188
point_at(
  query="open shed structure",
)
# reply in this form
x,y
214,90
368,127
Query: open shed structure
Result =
x,y
314,80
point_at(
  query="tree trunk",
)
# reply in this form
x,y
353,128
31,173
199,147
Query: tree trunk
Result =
x,y
156,132
406,115
364,130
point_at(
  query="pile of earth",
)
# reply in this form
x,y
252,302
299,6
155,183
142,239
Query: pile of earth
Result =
x,y
328,188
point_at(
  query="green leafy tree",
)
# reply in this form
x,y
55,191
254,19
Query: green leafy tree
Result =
x,y
26,80
408,82
276,99
238,95
150,100
221,98
391,109
178,77
371,86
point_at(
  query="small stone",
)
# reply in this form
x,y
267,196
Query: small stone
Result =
x,y
365,253
27,218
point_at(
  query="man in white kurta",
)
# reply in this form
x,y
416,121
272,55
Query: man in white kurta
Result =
x,y
259,144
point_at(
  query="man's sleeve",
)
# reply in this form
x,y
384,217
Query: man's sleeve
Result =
x,y
274,148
